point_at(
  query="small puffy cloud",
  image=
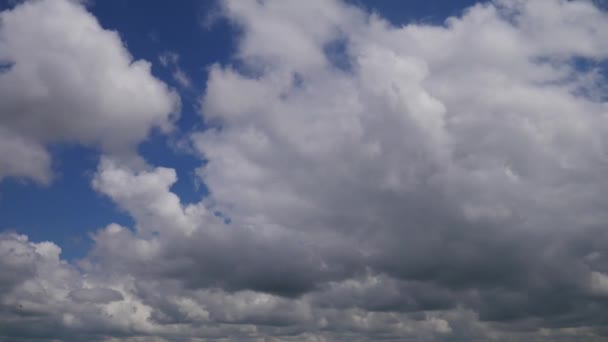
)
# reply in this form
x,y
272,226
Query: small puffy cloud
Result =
x,y
69,80
23,158
170,60
182,78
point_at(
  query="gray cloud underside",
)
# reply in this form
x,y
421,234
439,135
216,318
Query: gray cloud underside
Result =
x,y
424,182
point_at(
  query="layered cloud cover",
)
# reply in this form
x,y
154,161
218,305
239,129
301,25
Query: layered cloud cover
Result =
x,y
366,182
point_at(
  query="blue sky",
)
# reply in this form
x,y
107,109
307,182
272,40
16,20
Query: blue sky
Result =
x,y
319,170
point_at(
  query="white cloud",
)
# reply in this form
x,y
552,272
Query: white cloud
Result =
x,y
70,80
146,196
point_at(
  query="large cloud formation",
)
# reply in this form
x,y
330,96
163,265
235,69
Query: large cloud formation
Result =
x,y
367,182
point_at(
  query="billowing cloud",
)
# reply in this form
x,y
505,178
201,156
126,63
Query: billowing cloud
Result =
x,y
465,159
367,182
66,79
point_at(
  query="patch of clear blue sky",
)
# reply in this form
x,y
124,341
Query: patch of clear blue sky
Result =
x,y
68,210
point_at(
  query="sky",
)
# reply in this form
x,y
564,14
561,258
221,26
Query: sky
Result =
x,y
283,170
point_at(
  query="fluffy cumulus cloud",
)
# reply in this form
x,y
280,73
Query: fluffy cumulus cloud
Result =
x,y
366,181
64,79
